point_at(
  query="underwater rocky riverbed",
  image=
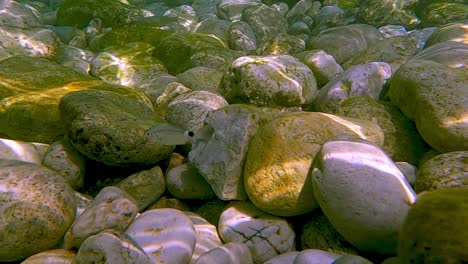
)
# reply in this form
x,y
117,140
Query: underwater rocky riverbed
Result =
x,y
233,131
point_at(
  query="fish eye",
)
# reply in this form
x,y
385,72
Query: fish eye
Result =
x,y
191,133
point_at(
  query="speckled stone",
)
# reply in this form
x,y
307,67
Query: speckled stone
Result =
x,y
265,235
169,202
37,208
362,193
434,231
445,171
281,152
430,89
265,21
63,158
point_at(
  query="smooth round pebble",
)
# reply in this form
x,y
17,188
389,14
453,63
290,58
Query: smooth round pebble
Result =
x,y
166,235
110,246
185,182
362,193
112,208
351,259
19,150
287,257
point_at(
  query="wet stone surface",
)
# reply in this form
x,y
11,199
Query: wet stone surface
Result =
x,y
233,131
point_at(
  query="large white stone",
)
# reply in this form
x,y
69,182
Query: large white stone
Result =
x,y
362,193
166,235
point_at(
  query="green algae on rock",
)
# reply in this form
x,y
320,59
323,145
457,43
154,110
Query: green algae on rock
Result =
x,y
30,92
444,171
434,230
112,12
182,51
110,128
457,31
346,41
439,14
430,89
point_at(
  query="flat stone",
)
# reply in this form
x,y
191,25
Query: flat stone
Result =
x,y
34,199
362,193
265,235
281,152
220,152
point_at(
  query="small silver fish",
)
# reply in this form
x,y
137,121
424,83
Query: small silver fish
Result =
x,y
170,135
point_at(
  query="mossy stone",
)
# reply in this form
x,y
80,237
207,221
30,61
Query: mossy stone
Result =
x,y
444,213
